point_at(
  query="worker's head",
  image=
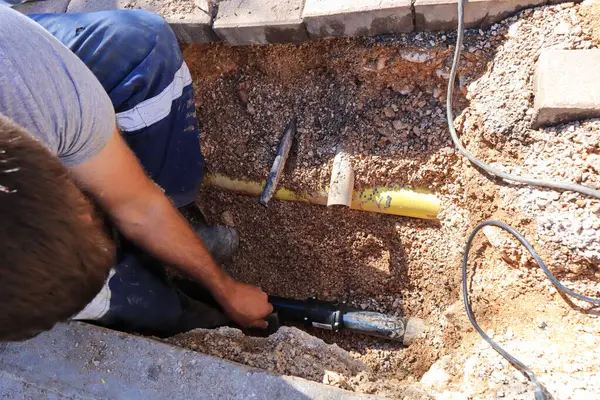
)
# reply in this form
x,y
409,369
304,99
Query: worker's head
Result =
x,y
54,258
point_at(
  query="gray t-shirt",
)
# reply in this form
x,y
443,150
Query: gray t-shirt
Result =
x,y
50,92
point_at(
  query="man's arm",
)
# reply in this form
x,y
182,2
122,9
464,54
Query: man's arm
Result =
x,y
145,215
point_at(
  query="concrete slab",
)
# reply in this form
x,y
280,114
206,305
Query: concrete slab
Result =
x,y
240,22
567,86
43,6
442,15
191,24
79,361
327,18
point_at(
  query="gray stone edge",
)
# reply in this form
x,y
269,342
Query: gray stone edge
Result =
x,y
205,32
81,361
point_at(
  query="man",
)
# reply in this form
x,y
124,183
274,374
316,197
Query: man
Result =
x,y
62,78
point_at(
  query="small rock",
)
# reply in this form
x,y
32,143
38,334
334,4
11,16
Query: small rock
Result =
x,y
414,56
562,28
389,112
437,377
383,141
334,379
227,219
243,95
251,110
399,125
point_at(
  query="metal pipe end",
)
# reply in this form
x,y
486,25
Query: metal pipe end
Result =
x,y
414,328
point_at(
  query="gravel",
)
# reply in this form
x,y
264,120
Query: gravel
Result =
x,y
384,99
502,106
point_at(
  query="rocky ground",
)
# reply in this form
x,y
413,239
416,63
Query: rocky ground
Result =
x,y
384,100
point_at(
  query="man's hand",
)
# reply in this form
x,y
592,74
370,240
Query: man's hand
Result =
x,y
246,305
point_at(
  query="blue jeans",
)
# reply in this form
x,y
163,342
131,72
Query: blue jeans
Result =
x,y
136,57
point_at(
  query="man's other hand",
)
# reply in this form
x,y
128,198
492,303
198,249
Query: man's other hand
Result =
x,y
246,305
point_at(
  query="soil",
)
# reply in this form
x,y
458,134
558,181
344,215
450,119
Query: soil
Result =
x,y
383,100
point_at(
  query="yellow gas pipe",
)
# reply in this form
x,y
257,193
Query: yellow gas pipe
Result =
x,y
385,200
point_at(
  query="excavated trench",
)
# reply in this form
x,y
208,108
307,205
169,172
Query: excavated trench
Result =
x,y
383,100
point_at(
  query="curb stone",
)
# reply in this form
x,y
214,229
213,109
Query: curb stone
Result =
x,y
81,361
189,28
442,15
42,7
241,22
328,18
562,96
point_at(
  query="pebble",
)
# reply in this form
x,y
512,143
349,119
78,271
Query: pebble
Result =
x,y
243,95
227,219
399,125
562,28
389,112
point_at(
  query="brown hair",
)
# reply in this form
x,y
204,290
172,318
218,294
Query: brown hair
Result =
x,y
54,258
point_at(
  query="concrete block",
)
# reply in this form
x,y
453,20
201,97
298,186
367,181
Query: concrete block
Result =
x,y
191,24
327,18
241,22
567,86
442,15
43,7
193,28
80,361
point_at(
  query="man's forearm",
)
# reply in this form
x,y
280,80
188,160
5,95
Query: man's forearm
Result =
x,y
154,224
145,215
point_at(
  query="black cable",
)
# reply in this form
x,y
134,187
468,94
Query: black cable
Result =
x,y
489,169
540,393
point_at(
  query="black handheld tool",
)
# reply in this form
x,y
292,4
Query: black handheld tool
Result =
x,y
337,317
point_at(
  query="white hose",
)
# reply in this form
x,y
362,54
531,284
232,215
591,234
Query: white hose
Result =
x,y
487,168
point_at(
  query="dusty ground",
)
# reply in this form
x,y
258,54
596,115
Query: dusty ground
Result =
x,y
383,99
170,9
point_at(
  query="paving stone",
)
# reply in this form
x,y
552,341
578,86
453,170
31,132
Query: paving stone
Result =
x,y
442,15
327,18
241,22
567,86
44,6
194,27
80,361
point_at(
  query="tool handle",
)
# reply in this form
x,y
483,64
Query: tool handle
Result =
x,y
311,312
278,165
